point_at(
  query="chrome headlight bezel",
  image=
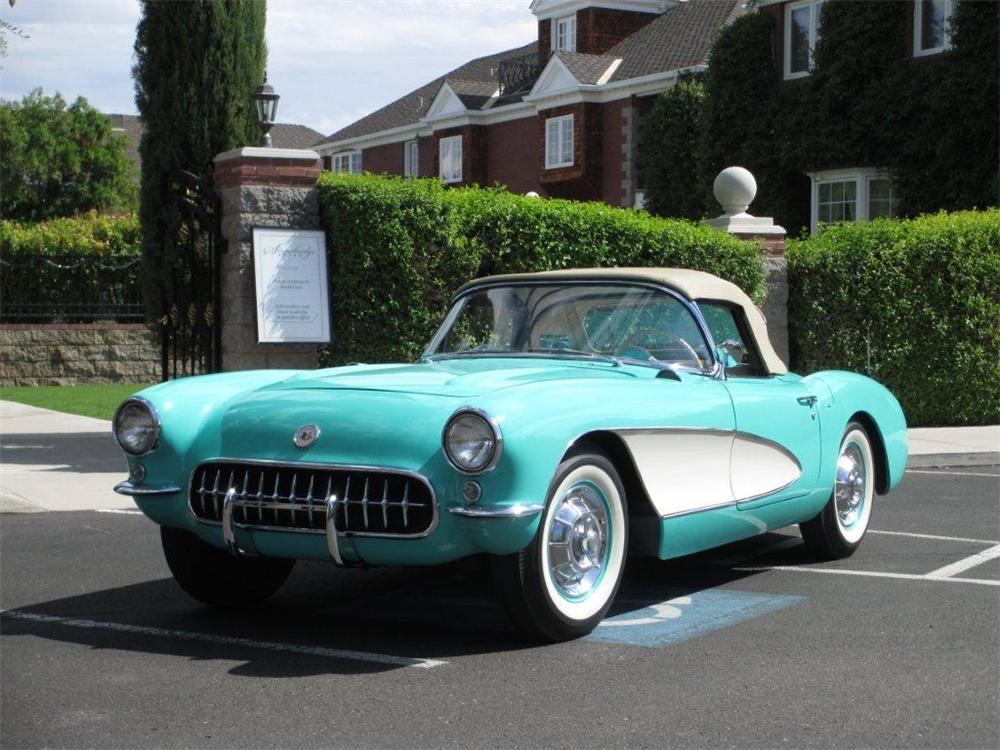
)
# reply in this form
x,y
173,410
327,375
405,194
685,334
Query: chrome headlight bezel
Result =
x,y
154,416
491,428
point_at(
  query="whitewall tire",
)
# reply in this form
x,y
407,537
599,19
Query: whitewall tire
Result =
x,y
838,530
562,584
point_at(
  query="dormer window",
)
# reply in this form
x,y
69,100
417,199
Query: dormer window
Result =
x,y
930,26
564,34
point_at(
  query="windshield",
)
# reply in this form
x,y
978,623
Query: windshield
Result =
x,y
583,320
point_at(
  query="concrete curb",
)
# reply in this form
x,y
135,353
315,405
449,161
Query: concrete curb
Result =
x,y
938,460
11,502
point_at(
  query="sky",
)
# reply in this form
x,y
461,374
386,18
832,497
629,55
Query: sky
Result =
x,y
331,61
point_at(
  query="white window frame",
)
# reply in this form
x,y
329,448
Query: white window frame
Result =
x,y
813,5
450,164
862,178
346,162
918,29
411,159
569,34
556,126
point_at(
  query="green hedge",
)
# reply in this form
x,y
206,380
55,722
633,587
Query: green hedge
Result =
x,y
90,234
915,303
400,248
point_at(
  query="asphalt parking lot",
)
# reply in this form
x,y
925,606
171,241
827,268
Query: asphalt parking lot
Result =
x,y
751,645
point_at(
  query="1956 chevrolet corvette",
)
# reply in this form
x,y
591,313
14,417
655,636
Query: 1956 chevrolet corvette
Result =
x,y
557,422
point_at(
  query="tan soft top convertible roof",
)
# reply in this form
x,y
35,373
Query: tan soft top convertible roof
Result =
x,y
695,285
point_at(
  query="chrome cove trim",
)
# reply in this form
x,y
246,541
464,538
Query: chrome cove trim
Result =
x,y
497,437
520,510
156,418
328,467
709,479
138,490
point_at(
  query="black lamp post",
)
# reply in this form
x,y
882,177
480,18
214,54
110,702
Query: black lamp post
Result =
x,y
266,102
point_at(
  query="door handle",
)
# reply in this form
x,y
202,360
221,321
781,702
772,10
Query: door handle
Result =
x,y
807,400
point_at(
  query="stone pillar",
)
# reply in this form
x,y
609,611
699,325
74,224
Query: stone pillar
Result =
x,y
735,188
260,187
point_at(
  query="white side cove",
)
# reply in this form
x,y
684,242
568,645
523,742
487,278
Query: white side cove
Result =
x,y
685,470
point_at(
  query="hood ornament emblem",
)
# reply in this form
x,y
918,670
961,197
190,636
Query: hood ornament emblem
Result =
x,y
305,436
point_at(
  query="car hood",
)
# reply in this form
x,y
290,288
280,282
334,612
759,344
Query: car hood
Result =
x,y
465,378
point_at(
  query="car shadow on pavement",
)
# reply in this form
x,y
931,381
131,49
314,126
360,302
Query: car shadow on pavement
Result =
x,y
415,613
79,452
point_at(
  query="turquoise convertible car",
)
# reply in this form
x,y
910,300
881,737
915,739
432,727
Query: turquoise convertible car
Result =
x,y
557,423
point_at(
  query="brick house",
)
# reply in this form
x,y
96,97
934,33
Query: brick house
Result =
x,y
859,192
559,116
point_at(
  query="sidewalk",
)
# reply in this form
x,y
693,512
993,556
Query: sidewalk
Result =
x,y
55,461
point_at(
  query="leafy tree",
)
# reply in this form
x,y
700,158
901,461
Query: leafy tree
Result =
x,y
60,160
672,141
197,64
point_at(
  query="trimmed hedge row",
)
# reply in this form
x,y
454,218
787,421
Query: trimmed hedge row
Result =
x,y
915,304
90,234
400,248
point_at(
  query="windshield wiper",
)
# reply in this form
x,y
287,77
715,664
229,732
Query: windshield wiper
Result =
x,y
616,361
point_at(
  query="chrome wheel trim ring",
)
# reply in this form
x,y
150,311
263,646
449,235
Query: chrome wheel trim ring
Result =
x,y
578,539
604,585
854,487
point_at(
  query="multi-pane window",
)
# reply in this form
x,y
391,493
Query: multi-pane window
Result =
x,y
411,159
802,22
881,202
348,161
860,194
838,201
930,26
559,142
564,34
450,159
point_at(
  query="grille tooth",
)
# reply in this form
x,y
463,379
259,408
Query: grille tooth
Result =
x,y
277,502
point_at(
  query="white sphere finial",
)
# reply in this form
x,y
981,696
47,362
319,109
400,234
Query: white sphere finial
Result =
x,y
735,188
531,194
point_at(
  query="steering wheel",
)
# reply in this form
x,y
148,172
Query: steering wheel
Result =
x,y
632,343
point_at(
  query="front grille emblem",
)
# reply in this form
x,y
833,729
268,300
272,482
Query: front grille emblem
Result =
x,y
305,436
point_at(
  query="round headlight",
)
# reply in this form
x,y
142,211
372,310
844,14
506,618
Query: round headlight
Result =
x,y
135,427
471,442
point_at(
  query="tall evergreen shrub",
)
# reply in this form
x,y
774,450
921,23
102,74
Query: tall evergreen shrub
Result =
x,y
197,64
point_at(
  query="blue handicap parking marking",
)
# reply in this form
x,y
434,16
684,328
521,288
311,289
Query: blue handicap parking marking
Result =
x,y
682,617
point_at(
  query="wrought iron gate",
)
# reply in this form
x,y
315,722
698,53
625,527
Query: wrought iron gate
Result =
x,y
191,326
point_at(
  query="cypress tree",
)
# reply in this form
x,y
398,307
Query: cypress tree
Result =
x,y
197,64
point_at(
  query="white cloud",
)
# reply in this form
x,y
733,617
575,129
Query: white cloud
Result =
x,y
332,62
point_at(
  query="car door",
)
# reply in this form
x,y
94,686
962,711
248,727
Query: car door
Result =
x,y
776,450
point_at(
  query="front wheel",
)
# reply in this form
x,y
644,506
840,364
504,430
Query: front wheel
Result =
x,y
213,576
562,584
839,528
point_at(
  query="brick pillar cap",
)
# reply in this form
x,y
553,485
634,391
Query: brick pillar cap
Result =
x,y
256,152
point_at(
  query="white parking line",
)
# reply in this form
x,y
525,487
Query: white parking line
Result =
x,y
867,573
187,635
120,511
953,473
934,536
949,571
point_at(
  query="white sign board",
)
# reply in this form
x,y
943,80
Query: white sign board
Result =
x,y
293,296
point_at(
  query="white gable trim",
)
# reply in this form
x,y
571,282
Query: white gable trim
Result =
x,y
547,9
447,102
555,77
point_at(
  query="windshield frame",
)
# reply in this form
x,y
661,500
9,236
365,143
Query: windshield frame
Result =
x,y
713,369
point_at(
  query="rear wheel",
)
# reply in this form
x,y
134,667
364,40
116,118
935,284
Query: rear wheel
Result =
x,y
213,576
838,530
562,584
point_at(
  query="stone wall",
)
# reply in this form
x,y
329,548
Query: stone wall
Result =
x,y
78,354
262,188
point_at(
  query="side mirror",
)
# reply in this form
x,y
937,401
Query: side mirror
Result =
x,y
731,353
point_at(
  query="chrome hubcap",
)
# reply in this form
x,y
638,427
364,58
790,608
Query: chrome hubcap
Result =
x,y
851,483
578,541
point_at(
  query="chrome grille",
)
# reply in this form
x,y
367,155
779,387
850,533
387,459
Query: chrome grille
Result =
x,y
293,497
